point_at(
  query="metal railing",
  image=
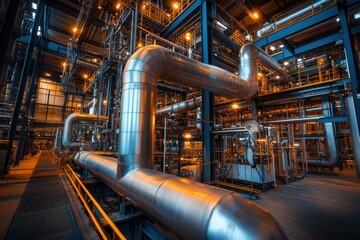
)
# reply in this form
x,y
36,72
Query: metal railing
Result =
x,y
86,198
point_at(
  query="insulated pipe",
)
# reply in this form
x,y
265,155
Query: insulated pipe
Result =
x,y
188,209
179,106
150,63
354,130
278,24
75,118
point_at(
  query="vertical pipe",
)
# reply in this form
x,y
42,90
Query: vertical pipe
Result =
x,y
207,17
23,78
354,130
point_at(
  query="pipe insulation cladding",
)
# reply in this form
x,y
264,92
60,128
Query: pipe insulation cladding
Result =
x,y
354,131
188,209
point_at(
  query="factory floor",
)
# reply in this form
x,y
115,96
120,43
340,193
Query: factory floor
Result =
x,y
33,202
317,207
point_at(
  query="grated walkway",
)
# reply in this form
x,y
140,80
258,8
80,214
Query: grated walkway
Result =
x,y
43,212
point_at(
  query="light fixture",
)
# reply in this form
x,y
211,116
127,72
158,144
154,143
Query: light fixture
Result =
x,y
104,102
299,60
127,53
139,45
118,6
85,76
75,30
277,77
187,135
78,105
337,19
281,46
221,25
255,15
286,63
260,74
272,48
188,36
176,5
99,7
64,64
48,74
235,106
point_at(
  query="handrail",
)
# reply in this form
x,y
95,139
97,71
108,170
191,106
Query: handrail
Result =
x,y
96,204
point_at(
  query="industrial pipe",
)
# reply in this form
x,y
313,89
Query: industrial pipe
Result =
x,y
150,63
179,106
279,23
188,209
76,118
354,131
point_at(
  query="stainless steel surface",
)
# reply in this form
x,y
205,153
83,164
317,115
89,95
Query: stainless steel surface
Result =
x,y
150,63
331,145
179,106
188,209
76,118
354,130
279,23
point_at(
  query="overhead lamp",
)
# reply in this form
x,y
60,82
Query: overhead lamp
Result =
x,y
118,6
286,63
75,30
188,36
48,74
337,19
99,7
85,76
277,77
281,46
255,15
260,74
139,45
235,106
78,105
176,5
299,60
64,64
272,48
104,102
187,136
221,25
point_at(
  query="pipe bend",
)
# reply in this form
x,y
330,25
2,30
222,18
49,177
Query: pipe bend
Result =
x,y
75,118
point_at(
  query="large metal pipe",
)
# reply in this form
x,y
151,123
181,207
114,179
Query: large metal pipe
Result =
x,y
354,130
76,118
179,106
186,208
150,63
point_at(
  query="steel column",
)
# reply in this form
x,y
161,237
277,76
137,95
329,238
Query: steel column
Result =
x,y
34,77
207,18
352,60
23,79
5,37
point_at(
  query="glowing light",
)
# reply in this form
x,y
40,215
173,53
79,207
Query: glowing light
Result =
x,y
48,74
176,5
140,45
299,60
338,19
104,102
99,7
272,48
286,63
118,6
281,46
187,135
260,74
221,25
278,77
75,30
78,105
188,36
85,76
256,15
235,106
64,64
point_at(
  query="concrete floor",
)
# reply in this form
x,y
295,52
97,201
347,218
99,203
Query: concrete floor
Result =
x,y
317,207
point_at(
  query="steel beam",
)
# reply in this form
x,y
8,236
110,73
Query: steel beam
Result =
x,y
309,46
207,18
23,79
6,37
34,77
182,18
351,57
298,27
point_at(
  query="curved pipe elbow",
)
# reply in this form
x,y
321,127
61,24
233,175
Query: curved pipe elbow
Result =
x,y
69,123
